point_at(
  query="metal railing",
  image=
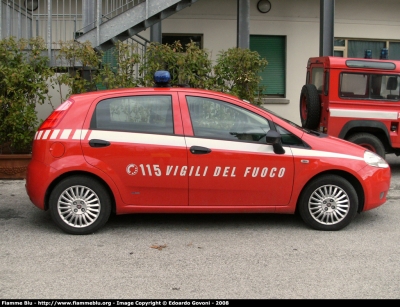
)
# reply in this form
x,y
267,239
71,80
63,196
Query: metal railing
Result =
x,y
115,7
59,21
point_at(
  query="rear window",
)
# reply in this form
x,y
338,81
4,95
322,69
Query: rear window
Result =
x,y
317,77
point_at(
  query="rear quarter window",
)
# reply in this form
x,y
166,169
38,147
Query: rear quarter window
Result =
x,y
369,86
353,85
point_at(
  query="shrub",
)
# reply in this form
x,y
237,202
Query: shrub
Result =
x,y
83,63
188,65
24,73
125,72
237,72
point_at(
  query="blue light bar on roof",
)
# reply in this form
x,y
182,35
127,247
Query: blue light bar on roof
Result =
x,y
384,54
162,78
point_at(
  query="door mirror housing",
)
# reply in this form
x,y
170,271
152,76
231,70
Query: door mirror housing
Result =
x,y
274,138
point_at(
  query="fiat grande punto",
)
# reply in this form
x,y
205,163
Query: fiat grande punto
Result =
x,y
185,150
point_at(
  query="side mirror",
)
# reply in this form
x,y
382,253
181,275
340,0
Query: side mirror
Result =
x,y
274,138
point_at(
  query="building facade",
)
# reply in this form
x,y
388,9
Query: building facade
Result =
x,y
287,33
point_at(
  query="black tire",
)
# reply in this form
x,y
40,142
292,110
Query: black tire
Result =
x,y
368,141
310,107
328,202
80,205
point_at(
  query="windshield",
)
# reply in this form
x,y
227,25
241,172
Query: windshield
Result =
x,y
282,118
308,131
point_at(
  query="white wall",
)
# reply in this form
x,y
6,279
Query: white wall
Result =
x,y
57,95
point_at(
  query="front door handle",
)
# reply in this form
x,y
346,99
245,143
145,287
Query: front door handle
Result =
x,y
198,150
99,143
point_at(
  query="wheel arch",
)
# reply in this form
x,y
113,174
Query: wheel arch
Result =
x,y
79,173
368,126
349,177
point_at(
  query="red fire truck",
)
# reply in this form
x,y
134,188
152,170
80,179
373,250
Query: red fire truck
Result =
x,y
354,99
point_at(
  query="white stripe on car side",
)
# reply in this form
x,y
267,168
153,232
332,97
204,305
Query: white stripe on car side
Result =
x,y
263,148
308,153
363,114
55,134
65,134
231,145
46,134
181,141
84,132
79,134
141,138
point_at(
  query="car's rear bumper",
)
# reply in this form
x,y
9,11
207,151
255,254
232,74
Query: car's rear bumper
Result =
x,y
37,183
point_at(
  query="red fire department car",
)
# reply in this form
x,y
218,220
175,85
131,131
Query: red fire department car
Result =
x,y
185,150
354,99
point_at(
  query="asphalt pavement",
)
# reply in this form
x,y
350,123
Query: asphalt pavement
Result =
x,y
211,256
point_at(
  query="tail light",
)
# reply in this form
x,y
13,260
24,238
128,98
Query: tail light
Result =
x,y
55,117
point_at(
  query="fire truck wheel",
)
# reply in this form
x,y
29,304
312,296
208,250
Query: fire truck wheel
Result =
x,y
328,202
310,107
369,141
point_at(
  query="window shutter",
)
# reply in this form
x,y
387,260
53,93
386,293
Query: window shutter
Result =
x,y
273,49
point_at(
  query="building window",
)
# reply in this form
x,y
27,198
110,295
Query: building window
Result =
x,y
273,49
394,50
357,48
168,38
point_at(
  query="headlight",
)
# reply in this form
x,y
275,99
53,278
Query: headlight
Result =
x,y
374,160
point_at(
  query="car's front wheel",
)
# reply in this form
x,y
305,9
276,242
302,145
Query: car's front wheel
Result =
x,y
80,205
329,202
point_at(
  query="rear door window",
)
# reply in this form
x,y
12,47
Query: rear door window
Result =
x,y
146,114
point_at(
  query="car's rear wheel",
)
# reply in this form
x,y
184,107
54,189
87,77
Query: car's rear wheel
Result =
x,y
80,205
368,141
310,107
328,202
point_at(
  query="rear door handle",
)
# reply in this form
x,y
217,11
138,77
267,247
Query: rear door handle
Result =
x,y
99,143
198,150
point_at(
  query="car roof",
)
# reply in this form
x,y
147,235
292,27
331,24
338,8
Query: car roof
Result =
x,y
155,90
